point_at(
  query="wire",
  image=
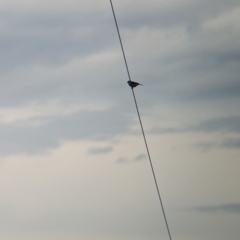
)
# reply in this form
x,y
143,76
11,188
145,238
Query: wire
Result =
x,y
149,157
125,60
155,180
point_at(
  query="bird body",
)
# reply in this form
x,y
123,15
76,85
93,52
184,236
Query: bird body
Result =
x,y
133,84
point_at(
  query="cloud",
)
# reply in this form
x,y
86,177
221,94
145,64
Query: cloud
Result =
x,y
74,82
122,160
226,125
140,157
227,208
49,40
206,146
213,91
230,124
28,137
167,14
100,150
157,130
186,54
75,58
231,143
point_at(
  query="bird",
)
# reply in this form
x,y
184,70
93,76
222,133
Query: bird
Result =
x,y
133,84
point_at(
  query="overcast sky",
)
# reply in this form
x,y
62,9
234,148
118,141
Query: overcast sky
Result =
x,y
73,161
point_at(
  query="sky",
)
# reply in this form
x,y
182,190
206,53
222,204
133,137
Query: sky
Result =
x,y
73,161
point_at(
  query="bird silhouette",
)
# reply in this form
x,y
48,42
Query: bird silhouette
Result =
x,y
133,84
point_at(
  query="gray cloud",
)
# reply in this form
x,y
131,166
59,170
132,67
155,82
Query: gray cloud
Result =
x,y
228,208
182,51
229,124
199,56
122,160
215,91
225,143
226,125
157,130
206,146
22,137
51,39
140,157
231,143
190,14
100,150
55,39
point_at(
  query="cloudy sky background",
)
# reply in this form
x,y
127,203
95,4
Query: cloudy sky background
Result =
x,y
73,161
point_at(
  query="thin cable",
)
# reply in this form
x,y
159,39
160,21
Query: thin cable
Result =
x,y
125,60
150,160
149,157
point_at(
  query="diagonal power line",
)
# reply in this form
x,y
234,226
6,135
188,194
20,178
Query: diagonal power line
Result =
x,y
145,141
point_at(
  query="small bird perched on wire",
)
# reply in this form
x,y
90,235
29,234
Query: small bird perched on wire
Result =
x,y
133,84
